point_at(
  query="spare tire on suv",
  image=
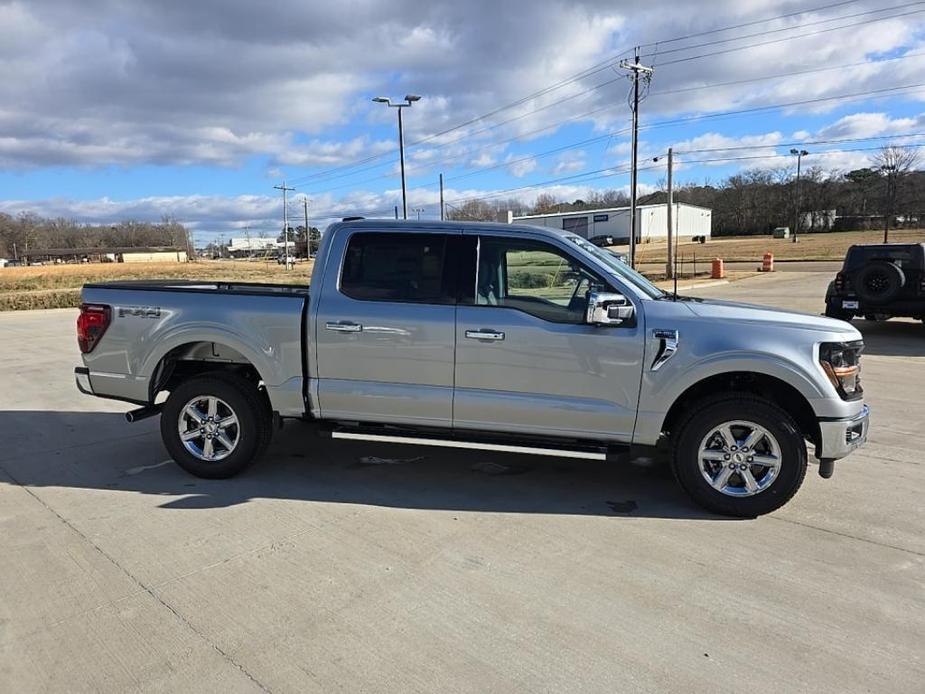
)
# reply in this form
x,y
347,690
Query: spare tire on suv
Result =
x,y
879,282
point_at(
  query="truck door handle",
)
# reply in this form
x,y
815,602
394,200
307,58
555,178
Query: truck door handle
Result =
x,y
484,335
343,327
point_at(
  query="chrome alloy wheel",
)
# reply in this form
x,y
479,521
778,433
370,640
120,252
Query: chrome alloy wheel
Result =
x,y
209,428
739,458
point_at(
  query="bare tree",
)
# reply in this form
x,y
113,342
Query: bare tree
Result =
x,y
894,164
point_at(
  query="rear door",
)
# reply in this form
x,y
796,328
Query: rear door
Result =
x,y
527,363
385,328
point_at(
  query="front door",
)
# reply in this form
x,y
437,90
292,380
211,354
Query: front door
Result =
x,y
385,329
527,363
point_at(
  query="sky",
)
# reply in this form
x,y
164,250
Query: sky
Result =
x,y
121,109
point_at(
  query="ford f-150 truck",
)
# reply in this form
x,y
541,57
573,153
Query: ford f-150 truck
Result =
x,y
499,337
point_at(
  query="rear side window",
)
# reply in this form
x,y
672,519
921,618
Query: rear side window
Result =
x,y
397,267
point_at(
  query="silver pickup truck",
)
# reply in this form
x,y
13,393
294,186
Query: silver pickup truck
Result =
x,y
499,337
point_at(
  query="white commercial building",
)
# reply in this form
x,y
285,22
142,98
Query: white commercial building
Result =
x,y
252,244
651,222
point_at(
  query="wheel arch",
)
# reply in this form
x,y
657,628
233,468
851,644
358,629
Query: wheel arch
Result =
x,y
778,391
197,357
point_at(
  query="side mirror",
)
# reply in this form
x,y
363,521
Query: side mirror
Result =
x,y
608,309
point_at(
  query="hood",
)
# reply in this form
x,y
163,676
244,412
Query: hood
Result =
x,y
741,312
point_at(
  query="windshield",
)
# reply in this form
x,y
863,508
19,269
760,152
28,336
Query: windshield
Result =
x,y
618,267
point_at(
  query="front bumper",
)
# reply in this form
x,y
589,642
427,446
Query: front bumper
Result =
x,y
839,437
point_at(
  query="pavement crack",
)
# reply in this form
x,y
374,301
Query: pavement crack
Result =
x,y
141,585
849,536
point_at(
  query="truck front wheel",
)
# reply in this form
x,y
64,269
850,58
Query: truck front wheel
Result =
x,y
216,425
739,455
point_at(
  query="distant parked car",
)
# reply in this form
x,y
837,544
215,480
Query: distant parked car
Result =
x,y
602,241
879,282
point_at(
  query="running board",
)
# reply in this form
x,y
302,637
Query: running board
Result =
x,y
471,445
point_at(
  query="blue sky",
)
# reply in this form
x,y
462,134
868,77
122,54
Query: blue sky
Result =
x,y
113,110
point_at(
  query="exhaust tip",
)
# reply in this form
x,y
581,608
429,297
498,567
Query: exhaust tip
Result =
x,y
142,413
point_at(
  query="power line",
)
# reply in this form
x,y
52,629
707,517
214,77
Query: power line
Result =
x,y
751,23
780,156
657,124
574,78
600,109
787,28
724,51
800,143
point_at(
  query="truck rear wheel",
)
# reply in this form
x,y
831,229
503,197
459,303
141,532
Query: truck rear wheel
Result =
x,y
739,455
216,425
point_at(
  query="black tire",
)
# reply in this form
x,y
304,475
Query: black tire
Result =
x,y
252,433
879,282
709,414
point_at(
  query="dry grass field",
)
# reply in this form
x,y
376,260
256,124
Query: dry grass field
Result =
x,y
751,248
58,286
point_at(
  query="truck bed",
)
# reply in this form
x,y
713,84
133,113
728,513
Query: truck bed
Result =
x,y
258,324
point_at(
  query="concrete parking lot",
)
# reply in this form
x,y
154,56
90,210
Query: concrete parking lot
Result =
x,y
445,571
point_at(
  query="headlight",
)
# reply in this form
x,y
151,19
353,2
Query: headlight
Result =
x,y
841,362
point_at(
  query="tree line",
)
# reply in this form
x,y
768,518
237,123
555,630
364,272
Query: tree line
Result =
x,y
890,192
29,233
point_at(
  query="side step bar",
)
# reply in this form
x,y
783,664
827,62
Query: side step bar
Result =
x,y
596,454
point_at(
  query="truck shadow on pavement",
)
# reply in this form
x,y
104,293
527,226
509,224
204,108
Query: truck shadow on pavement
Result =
x,y
893,338
99,450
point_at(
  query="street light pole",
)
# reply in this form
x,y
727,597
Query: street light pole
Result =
x,y
799,154
409,99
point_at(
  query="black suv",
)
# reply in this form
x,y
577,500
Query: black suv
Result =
x,y
878,282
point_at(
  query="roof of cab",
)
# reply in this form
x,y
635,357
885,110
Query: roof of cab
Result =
x,y
411,225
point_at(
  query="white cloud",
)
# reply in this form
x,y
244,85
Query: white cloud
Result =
x,y
570,162
520,165
870,124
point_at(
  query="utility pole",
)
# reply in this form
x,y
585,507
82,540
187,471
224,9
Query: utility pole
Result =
x,y
669,213
442,204
669,265
308,232
890,171
799,154
285,190
638,72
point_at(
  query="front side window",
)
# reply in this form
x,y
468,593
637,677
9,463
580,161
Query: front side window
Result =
x,y
396,267
535,278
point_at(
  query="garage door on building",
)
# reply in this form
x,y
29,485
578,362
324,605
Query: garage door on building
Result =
x,y
577,225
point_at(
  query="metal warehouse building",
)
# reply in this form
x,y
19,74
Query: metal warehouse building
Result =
x,y
651,222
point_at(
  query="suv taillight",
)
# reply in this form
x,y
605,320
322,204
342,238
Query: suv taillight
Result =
x,y
91,324
841,282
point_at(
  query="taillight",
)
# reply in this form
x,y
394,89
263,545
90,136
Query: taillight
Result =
x,y
839,282
91,324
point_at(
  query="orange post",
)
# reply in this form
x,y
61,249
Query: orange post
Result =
x,y
767,265
719,269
